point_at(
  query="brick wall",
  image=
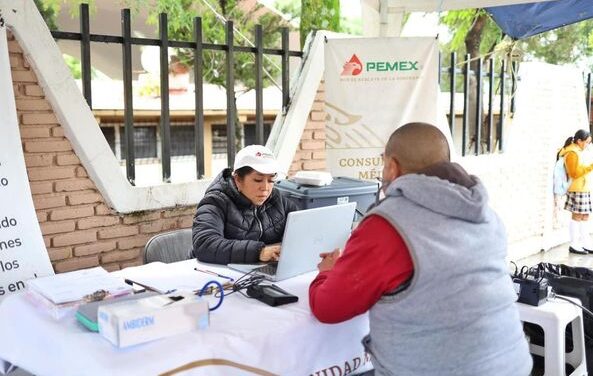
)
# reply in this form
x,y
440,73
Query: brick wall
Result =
x,y
78,228
310,154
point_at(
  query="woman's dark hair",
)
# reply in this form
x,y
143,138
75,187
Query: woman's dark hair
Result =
x,y
243,171
566,143
581,135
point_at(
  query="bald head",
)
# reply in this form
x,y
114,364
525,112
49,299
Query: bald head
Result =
x,y
416,146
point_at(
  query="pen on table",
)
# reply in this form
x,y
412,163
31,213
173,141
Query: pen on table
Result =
x,y
146,287
213,273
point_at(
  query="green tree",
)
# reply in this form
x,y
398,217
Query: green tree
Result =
x,y
180,15
475,32
49,10
560,46
319,15
292,10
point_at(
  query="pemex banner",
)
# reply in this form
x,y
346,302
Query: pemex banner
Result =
x,y
373,86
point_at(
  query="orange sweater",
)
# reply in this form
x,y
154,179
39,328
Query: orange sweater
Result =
x,y
577,171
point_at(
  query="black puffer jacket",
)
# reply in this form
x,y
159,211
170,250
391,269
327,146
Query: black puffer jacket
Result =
x,y
228,228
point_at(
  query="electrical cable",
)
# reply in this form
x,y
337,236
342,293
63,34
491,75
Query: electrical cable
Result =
x,y
516,269
245,281
553,295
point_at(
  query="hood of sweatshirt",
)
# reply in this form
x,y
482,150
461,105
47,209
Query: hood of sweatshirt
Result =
x,y
444,188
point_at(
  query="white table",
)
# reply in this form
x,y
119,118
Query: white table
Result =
x,y
284,340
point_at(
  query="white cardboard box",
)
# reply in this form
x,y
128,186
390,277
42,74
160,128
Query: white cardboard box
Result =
x,y
137,321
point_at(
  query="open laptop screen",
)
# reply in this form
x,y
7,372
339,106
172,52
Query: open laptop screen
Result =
x,y
308,233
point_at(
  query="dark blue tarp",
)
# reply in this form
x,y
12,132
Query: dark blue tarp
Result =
x,y
524,20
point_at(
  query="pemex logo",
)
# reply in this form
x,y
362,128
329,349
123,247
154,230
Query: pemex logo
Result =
x,y
353,67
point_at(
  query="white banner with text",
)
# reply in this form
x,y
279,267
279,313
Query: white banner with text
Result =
x,y
22,250
373,86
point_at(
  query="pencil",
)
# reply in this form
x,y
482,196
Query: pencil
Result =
x,y
214,273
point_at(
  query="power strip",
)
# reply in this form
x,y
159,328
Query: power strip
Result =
x,y
531,290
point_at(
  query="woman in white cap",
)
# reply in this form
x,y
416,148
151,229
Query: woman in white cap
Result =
x,y
241,218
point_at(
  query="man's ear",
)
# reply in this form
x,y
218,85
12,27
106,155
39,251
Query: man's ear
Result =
x,y
398,167
395,168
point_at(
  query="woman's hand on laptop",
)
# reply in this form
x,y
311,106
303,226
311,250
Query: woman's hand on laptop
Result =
x,y
270,253
328,260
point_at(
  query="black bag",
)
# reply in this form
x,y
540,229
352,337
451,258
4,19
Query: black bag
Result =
x,y
574,282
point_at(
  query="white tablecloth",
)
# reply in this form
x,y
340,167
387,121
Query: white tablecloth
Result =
x,y
284,340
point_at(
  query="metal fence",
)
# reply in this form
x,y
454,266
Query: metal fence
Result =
x,y
197,46
481,133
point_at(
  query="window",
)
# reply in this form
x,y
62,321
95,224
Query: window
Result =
x,y
249,129
219,139
144,142
182,140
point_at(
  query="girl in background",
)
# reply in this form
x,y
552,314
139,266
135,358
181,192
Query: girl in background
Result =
x,y
578,197
561,182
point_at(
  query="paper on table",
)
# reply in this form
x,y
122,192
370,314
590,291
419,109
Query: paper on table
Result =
x,y
73,286
169,277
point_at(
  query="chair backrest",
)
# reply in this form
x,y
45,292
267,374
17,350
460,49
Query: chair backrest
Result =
x,y
169,247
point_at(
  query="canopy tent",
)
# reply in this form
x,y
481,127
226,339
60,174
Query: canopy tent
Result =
x,y
524,20
440,5
384,17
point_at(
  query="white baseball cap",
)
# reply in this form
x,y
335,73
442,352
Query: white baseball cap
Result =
x,y
258,157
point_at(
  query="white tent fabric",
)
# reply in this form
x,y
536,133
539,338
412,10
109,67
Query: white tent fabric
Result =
x,y
384,17
440,5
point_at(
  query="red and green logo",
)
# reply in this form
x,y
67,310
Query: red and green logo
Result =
x,y
353,67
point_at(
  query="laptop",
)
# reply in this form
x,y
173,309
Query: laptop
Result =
x,y
307,234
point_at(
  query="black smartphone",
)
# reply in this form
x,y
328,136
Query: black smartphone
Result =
x,y
271,295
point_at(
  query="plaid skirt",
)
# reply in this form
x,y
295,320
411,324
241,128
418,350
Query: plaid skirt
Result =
x,y
578,202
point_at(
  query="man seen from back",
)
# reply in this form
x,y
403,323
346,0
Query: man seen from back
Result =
x,y
429,263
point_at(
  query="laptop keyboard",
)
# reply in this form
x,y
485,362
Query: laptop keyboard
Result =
x,y
269,269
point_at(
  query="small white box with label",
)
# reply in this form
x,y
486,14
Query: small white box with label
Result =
x,y
137,321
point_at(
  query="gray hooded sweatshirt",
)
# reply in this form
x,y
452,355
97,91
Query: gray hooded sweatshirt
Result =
x,y
457,316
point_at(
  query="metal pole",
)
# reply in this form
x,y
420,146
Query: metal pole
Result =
x,y
589,99
85,53
465,103
285,71
490,103
165,118
479,94
501,120
259,86
452,79
199,98
126,32
230,95
513,85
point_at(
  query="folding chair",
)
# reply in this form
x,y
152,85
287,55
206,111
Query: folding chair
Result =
x,y
168,247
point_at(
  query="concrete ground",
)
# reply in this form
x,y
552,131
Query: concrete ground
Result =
x,y
558,255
